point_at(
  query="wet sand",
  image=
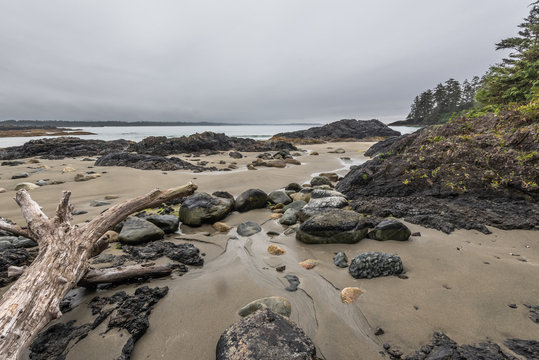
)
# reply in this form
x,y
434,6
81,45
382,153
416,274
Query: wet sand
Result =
x,y
460,283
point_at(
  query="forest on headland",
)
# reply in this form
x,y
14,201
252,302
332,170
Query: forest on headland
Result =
x,y
512,83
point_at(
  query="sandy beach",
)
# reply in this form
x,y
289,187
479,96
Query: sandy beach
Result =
x,y
460,284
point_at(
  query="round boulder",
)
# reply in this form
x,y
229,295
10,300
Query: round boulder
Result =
x,y
202,208
390,229
248,228
251,199
279,197
138,231
372,264
331,227
320,180
265,335
290,217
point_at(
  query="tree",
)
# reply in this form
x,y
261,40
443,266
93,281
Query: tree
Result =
x,y
516,79
64,249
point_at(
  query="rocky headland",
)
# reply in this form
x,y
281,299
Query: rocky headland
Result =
x,y
467,174
346,129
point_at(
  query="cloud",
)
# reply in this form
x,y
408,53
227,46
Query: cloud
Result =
x,y
242,60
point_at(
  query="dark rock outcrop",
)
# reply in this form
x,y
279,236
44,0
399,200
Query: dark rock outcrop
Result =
x,y
443,348
468,173
14,257
265,335
206,142
147,162
343,129
123,311
61,147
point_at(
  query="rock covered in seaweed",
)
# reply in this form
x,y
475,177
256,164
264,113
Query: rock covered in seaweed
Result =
x,y
374,264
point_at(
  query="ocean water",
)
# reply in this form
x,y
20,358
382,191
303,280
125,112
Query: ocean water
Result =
x,y
137,133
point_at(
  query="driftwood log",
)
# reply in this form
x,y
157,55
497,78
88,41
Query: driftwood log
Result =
x,y
64,249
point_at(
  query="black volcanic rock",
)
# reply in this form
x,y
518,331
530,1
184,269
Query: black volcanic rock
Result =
x,y
468,173
147,162
343,129
206,142
61,147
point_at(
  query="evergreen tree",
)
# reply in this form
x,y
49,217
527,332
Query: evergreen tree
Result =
x,y
516,79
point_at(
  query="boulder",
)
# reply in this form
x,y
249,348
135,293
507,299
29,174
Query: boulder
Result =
x,y
331,227
292,161
331,202
321,193
277,304
290,217
26,186
138,231
279,197
293,186
265,335
297,205
320,180
390,229
330,175
235,155
168,223
251,199
374,264
248,228
202,208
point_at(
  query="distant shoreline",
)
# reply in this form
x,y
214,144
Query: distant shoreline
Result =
x,y
23,131
64,123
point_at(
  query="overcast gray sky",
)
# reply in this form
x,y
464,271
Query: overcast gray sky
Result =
x,y
240,60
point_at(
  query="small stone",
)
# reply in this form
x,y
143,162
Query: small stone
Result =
x,y
111,197
2,190
67,169
417,233
275,216
96,203
277,304
221,227
379,331
314,153
340,259
293,187
80,212
350,294
309,264
293,280
112,236
235,155
33,161
26,186
84,177
248,228
20,176
281,268
276,250
512,306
